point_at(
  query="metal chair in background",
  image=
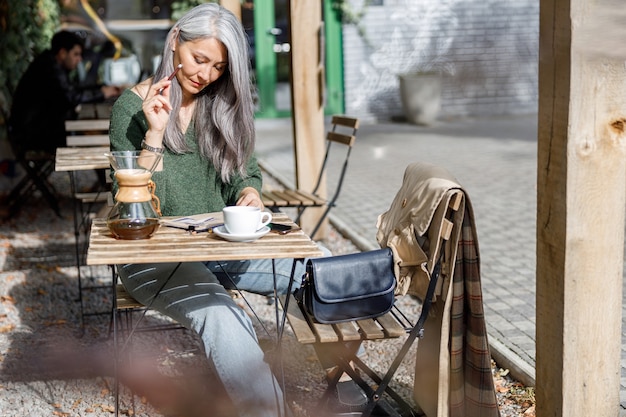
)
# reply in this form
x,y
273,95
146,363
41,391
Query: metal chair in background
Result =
x,y
343,132
37,166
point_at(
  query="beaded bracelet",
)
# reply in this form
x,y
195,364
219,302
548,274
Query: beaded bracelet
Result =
x,y
147,147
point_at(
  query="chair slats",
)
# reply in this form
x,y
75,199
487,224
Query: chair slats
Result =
x,y
325,333
87,140
390,326
271,199
307,331
305,199
87,132
84,125
370,330
341,138
347,332
286,199
349,122
298,322
446,229
455,202
316,201
93,197
124,300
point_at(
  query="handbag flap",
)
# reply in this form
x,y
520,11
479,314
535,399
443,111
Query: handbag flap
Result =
x,y
353,276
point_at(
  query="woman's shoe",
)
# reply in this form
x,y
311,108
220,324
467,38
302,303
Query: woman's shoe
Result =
x,y
349,394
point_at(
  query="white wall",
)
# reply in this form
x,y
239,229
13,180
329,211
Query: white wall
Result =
x,y
487,48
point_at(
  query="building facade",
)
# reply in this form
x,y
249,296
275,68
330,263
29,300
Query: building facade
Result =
x,y
487,51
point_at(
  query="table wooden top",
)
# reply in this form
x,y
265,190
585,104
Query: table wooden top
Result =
x,y
176,245
81,158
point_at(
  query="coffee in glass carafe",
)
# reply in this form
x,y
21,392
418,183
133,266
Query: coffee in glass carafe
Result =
x,y
136,212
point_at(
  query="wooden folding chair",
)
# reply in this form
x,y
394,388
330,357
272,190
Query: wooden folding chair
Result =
x,y
394,324
343,132
431,231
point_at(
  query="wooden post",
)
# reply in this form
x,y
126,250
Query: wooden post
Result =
x,y
307,105
580,220
232,5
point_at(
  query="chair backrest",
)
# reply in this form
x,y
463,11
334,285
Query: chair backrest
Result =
x,y
343,132
87,132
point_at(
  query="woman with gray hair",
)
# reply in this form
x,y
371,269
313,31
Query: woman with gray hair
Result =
x,y
197,111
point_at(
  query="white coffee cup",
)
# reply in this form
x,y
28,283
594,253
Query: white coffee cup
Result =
x,y
245,220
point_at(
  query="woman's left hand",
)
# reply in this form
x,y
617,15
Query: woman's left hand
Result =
x,y
250,197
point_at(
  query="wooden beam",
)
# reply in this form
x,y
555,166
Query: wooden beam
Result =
x,y
307,100
580,220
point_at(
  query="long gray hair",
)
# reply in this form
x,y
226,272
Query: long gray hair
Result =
x,y
224,113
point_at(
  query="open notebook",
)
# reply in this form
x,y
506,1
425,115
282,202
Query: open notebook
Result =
x,y
198,222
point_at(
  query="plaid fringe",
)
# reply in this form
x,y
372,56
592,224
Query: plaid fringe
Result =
x,y
472,392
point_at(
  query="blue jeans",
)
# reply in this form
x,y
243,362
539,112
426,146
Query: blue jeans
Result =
x,y
194,295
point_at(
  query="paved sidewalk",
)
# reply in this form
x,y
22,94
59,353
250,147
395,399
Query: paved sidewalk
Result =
x,y
495,159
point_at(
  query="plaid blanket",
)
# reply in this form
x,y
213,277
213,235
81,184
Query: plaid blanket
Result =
x,y
453,375
472,392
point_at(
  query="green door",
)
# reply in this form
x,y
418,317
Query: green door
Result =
x,y
266,22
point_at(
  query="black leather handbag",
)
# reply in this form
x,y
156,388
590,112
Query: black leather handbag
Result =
x,y
348,287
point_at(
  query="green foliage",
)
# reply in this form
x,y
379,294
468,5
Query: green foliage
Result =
x,y
26,27
180,7
351,16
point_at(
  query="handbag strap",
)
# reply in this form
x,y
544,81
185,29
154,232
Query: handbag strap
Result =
x,y
298,293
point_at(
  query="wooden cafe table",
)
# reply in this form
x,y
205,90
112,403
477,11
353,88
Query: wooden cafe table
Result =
x,y
76,159
81,158
170,244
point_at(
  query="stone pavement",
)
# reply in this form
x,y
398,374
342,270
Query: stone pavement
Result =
x,y
495,159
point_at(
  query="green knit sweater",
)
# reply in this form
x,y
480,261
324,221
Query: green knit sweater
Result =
x,y
188,184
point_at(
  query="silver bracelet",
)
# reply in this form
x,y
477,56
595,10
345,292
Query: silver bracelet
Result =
x,y
147,147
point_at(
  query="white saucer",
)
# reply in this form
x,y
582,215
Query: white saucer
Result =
x,y
221,232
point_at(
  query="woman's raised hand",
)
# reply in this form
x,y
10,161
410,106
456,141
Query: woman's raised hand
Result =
x,y
156,106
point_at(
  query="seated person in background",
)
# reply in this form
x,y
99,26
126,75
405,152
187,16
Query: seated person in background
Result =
x,y
45,96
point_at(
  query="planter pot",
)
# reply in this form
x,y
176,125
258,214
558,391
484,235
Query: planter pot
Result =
x,y
421,97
